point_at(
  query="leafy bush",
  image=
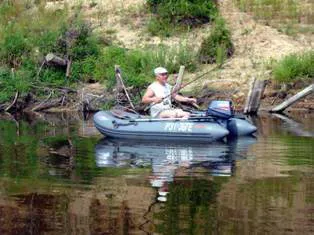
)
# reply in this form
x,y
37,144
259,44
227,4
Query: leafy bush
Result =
x,y
294,66
217,45
13,48
11,82
21,39
137,65
176,14
23,45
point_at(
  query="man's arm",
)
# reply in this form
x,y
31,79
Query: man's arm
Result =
x,y
181,98
149,97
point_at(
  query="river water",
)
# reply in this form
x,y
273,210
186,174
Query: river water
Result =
x,y
59,176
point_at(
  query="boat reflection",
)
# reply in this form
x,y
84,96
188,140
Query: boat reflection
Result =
x,y
165,159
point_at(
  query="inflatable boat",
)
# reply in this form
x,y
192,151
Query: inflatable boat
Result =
x,y
217,122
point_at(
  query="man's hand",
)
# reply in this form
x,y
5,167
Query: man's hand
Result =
x,y
157,100
191,100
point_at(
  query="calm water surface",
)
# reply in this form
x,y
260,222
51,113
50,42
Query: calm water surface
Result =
x,y
59,176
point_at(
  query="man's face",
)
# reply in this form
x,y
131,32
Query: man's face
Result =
x,y
162,78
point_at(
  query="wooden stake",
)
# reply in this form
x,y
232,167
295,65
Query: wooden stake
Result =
x,y
177,86
254,97
68,72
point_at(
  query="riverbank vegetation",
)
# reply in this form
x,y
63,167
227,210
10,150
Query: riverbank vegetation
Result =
x,y
64,32
174,16
294,66
30,30
288,16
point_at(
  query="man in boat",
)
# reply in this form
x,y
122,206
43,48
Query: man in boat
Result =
x,y
158,95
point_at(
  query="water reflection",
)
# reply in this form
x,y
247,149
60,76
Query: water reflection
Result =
x,y
293,126
52,182
166,159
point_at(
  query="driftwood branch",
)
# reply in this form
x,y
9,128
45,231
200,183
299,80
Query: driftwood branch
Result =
x,y
38,107
280,108
121,84
51,104
13,103
40,68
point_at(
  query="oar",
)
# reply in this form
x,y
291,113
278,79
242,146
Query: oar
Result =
x,y
194,119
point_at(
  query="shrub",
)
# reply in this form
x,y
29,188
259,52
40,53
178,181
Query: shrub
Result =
x,y
294,66
174,14
11,82
137,65
217,45
23,45
21,39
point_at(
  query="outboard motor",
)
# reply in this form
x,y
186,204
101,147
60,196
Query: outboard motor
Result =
x,y
221,109
223,112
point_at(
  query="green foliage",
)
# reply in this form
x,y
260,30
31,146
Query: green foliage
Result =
x,y
22,39
218,45
177,14
12,81
294,66
137,65
24,43
158,27
14,46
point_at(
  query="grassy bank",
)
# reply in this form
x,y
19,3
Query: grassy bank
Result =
x,y
64,32
288,16
293,67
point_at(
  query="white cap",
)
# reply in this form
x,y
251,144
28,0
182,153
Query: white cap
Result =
x,y
160,70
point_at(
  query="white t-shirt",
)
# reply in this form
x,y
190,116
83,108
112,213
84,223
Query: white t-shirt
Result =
x,y
160,91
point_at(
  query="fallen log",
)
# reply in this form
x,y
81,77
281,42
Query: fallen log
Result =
x,y
37,107
280,108
56,60
47,105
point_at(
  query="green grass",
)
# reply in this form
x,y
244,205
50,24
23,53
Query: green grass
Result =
x,y
137,65
288,16
294,66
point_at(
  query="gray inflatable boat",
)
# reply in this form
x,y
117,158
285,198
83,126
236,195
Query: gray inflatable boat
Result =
x,y
212,125
129,126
